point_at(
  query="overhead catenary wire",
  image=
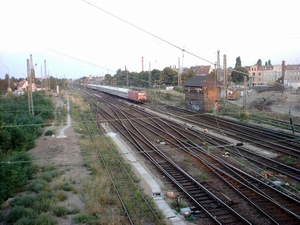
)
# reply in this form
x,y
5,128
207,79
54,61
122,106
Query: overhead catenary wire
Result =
x,y
153,35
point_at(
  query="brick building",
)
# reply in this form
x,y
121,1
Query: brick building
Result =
x,y
202,94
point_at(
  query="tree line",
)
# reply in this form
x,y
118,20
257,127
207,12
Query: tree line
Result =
x,y
18,132
168,77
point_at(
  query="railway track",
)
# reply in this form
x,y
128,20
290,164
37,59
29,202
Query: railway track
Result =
x,y
261,137
124,184
166,166
214,208
270,197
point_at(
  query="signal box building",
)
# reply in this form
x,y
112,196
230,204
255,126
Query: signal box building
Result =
x,y
202,94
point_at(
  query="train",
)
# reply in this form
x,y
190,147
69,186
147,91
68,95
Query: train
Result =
x,y
129,94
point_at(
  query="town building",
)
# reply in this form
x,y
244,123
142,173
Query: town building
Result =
x,y
202,94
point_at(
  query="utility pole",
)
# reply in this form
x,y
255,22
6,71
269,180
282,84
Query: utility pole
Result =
x,y
225,79
42,75
218,65
245,92
29,79
149,74
179,73
127,80
46,77
49,87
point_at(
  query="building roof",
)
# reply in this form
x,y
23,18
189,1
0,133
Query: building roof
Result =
x,y
265,68
292,67
202,81
201,70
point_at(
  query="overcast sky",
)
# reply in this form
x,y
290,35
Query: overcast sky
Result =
x,y
78,38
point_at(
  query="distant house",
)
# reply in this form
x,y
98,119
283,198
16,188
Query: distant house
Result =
x,y
201,70
202,94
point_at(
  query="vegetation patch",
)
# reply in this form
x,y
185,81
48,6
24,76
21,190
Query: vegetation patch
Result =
x,y
60,211
61,196
26,200
49,132
38,185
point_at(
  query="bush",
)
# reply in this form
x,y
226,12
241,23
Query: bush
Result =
x,y
81,218
67,187
25,221
19,212
44,204
45,195
49,132
37,186
49,175
60,211
46,219
14,175
61,196
26,200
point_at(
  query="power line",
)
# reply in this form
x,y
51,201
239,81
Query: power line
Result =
x,y
147,32
78,59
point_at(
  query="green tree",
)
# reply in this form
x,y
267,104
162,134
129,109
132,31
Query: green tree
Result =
x,y
237,75
185,76
238,62
259,62
155,75
269,63
169,76
108,79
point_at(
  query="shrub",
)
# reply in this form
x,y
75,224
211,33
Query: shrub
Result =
x,y
81,218
67,187
25,221
46,219
49,175
74,210
14,175
48,167
44,204
49,133
45,195
26,200
19,212
60,211
61,196
37,186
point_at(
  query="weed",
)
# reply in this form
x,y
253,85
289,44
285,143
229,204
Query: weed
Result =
x,y
26,200
74,190
191,219
49,132
48,176
45,195
19,212
25,221
74,210
46,219
44,205
37,186
67,187
35,168
60,211
81,218
61,196
203,176
49,167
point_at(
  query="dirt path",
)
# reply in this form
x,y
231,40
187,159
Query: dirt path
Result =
x,y
65,154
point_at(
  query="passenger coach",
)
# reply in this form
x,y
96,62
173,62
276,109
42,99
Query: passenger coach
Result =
x,y
139,96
